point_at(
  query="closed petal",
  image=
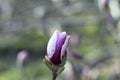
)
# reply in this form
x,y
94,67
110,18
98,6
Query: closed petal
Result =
x,y
60,41
64,47
52,44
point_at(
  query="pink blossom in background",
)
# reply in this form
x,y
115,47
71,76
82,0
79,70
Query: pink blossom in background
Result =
x,y
85,71
74,40
22,55
75,54
104,1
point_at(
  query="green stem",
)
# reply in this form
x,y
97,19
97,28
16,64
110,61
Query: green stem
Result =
x,y
54,75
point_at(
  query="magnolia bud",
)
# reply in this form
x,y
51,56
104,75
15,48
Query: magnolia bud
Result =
x,y
57,51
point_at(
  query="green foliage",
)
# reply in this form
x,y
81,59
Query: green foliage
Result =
x,y
35,40
31,72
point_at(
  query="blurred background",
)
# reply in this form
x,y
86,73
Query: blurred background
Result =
x,y
26,26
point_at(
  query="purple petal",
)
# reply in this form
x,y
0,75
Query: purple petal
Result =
x,y
64,47
52,44
60,41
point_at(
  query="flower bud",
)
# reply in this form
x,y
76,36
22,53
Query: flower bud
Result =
x,y
57,48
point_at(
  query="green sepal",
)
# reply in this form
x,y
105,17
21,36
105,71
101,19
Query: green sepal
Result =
x,y
60,69
54,68
48,63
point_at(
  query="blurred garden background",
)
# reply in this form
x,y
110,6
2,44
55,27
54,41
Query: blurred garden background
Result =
x,y
26,26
